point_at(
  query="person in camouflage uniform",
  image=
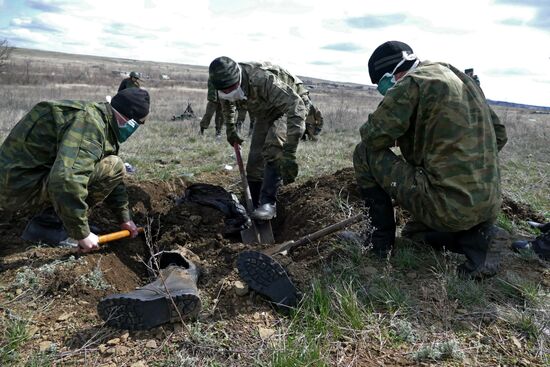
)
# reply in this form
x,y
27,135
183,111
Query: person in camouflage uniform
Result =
x,y
448,177
212,106
242,109
271,93
314,123
470,73
131,82
64,154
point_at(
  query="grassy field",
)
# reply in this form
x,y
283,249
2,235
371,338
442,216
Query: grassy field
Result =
x,y
357,311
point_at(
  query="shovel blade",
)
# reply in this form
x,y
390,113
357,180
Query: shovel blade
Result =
x,y
259,233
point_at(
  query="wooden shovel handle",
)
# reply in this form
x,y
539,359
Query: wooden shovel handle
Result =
x,y
116,235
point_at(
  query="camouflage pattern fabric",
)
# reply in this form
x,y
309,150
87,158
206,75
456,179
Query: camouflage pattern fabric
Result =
x,y
128,83
448,177
314,122
272,92
212,92
61,152
211,108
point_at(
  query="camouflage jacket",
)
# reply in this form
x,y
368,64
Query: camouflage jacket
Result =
x,y
444,127
315,117
61,141
128,83
272,92
212,92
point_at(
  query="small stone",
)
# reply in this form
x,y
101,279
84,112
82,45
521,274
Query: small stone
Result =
x,y
113,341
121,350
102,348
256,316
139,364
111,351
516,342
65,316
241,288
45,345
152,344
265,333
18,291
124,337
82,302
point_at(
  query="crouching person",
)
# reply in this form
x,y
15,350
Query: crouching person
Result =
x,y
448,177
61,158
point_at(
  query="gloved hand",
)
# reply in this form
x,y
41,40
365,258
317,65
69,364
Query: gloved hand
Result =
x,y
130,226
288,168
232,135
89,243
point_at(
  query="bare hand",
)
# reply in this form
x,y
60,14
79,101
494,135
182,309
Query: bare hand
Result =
x,y
130,226
89,243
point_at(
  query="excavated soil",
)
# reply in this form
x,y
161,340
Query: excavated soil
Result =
x,y
302,209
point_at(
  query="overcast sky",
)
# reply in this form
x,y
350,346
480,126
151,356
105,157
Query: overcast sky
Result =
x,y
506,41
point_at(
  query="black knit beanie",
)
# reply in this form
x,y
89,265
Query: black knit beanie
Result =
x,y
223,72
132,103
386,57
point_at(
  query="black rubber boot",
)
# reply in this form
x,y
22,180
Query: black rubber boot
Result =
x,y
45,227
420,233
540,245
483,246
255,190
153,304
380,211
267,277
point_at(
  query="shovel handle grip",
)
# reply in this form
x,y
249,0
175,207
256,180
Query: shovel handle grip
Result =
x,y
116,235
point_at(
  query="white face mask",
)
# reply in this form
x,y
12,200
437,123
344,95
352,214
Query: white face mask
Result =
x,y
236,94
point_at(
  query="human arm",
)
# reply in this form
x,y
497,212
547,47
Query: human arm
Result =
x,y
229,111
500,130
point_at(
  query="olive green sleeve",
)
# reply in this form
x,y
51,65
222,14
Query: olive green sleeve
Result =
x,y
229,110
391,119
500,130
80,148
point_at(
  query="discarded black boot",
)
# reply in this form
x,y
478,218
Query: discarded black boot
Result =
x,y
45,227
153,304
483,246
267,277
540,245
380,211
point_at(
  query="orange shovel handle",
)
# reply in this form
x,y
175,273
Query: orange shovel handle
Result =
x,y
116,235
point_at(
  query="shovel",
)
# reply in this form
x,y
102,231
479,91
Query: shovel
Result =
x,y
260,231
104,238
283,248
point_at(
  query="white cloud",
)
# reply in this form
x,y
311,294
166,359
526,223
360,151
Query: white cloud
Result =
x,y
469,33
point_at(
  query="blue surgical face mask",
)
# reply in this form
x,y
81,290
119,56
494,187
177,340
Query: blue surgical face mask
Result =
x,y
387,80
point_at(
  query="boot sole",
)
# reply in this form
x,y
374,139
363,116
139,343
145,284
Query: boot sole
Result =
x,y
268,278
145,313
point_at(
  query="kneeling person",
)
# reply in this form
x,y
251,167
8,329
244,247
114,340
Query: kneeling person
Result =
x,y
62,157
449,175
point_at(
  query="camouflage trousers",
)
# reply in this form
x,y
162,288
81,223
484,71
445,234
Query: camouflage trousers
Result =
x,y
266,145
211,108
410,188
108,173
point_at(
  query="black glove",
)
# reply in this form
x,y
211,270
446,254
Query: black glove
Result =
x,y
232,135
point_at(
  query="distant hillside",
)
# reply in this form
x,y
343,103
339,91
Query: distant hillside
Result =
x,y
535,109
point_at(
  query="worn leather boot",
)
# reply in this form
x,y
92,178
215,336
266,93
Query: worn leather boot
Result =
x,y
172,296
540,245
380,212
265,212
483,246
45,227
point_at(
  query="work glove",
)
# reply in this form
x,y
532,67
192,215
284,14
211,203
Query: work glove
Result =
x,y
232,135
89,243
288,169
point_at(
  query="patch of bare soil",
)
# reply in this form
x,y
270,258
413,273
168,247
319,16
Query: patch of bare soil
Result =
x,y
62,309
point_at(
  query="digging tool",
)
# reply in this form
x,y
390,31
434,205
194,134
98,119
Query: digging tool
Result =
x,y
104,238
286,246
260,231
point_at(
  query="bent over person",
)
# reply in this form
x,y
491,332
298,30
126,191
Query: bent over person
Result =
x,y
448,177
271,92
61,157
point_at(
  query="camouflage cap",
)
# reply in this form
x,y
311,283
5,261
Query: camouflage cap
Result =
x,y
223,72
133,74
132,103
386,57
